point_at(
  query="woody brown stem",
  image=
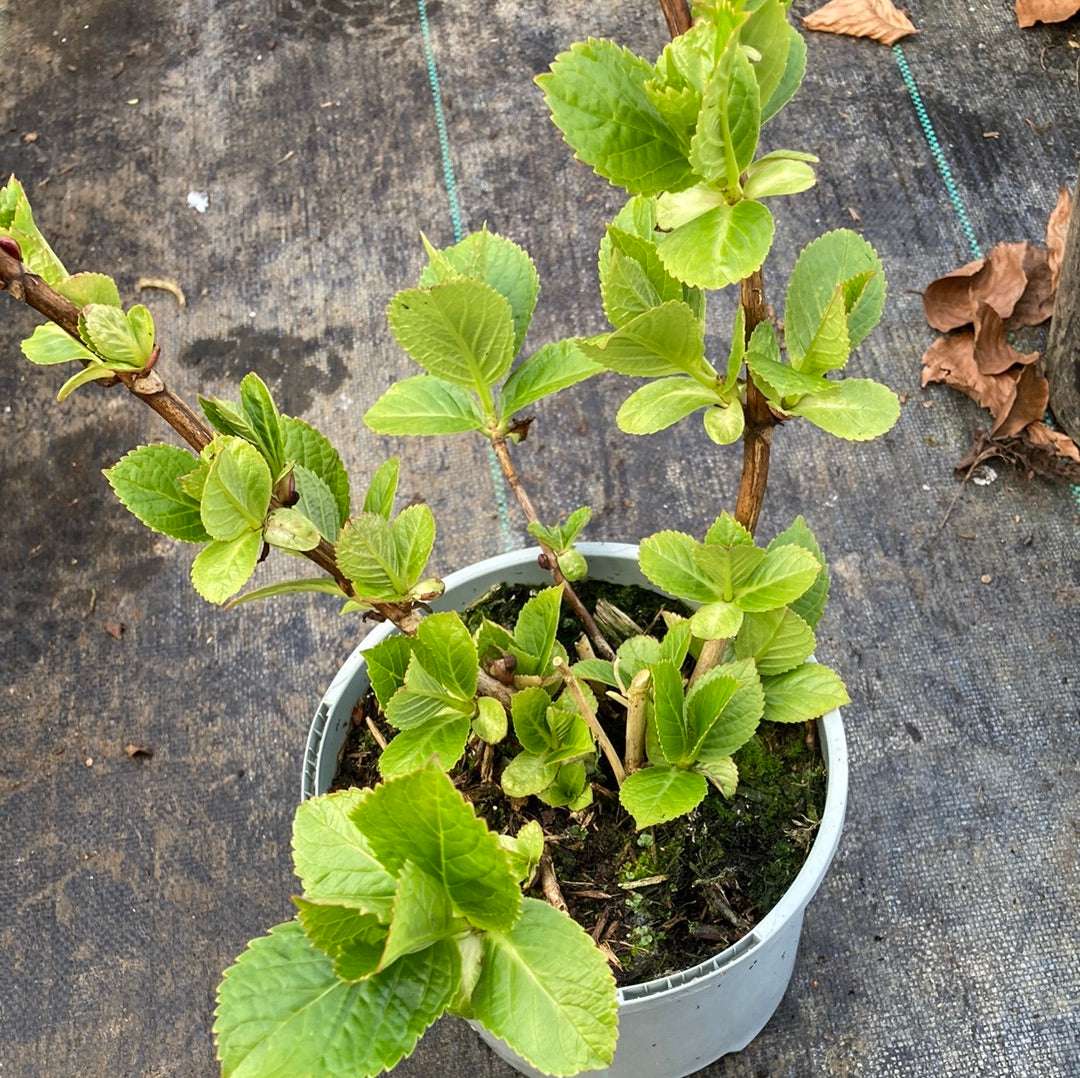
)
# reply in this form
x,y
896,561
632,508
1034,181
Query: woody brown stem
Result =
x,y
637,697
550,885
506,463
677,16
708,657
587,713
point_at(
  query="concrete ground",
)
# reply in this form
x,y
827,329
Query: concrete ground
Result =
x,y
944,940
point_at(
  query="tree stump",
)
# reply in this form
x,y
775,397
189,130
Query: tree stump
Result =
x,y
1062,357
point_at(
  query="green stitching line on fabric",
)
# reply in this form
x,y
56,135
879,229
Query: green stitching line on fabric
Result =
x,y
955,198
510,541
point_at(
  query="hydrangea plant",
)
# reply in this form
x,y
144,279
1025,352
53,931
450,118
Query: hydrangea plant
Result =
x,y
412,905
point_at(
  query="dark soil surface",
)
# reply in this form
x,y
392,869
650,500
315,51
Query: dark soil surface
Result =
x,y
663,899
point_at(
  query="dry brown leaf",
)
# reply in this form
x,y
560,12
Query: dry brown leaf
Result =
x,y
947,301
951,360
1057,228
877,19
1036,451
1029,12
1042,436
1032,396
1036,304
993,353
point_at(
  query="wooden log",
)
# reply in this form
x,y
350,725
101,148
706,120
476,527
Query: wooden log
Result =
x,y
1062,357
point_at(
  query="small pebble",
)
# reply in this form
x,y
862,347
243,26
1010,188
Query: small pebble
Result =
x,y
985,578
89,761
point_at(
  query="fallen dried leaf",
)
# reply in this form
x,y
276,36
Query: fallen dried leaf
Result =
x,y
1041,436
163,284
947,300
1036,304
993,353
1029,405
951,360
1057,228
138,751
877,19
1036,452
1029,12
115,629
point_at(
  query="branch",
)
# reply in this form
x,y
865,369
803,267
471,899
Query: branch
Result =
x,y
637,697
677,16
590,718
506,463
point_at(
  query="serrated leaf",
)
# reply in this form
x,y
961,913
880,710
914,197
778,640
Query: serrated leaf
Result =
x,y
777,640
281,1009
824,264
529,710
227,418
424,698
17,221
386,664
422,818
527,774
677,208
489,724
551,368
524,850
289,529
596,94
595,670
290,587
705,705
730,121
86,288
811,604
830,347
491,258
546,990
667,559
716,621
767,32
737,350
781,176
385,559
333,859
669,714
236,494
263,418
721,246
316,501
662,403
804,693
423,915
666,340
632,277
742,712
439,742
93,372
570,789
633,655
725,530
449,653
857,409
534,632
779,381
721,771
223,567
676,643
462,331
781,577
424,404
145,480
655,795
790,80
49,344
118,338
352,939
724,423
306,446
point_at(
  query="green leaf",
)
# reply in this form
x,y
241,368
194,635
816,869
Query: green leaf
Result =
x,y
779,381
462,331
85,288
781,176
570,789
17,221
811,604
634,655
423,699
790,80
856,409
414,537
737,351
289,529
655,795
672,729
780,578
439,742
227,418
658,405
595,670
724,423
725,530
491,258
317,502
716,621
424,404
282,1010
354,940
306,446
829,348
667,559
740,716
289,587
334,860
705,704
668,339
422,818
145,480
730,121
529,710
94,372
264,420
829,261
49,344
676,642
527,774
448,653
677,208
386,664
768,32
383,559
382,489
236,495
551,368
804,693
524,850
721,771
490,724
777,640
126,340
534,632
632,277
728,567
596,94
546,990
722,246
423,915
223,567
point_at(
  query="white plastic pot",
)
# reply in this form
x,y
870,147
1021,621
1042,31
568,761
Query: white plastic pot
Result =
x,y
675,1025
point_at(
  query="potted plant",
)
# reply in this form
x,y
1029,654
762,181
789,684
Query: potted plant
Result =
x,y
639,728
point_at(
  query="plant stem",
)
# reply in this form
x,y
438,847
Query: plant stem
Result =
x,y
677,15
587,713
708,657
550,885
506,463
757,435
638,701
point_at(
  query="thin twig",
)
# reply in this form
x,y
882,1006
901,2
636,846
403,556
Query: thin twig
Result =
x,y
709,656
506,463
587,713
374,730
677,16
550,885
638,701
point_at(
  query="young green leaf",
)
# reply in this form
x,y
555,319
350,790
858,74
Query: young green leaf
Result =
x,y
737,350
126,340
85,288
386,664
385,560
353,940
706,703
423,915
571,789
282,1008
677,208
551,368
305,445
448,653
730,121
49,344
667,559
289,587
462,331
289,529
546,990
524,850
777,640
830,347
534,633
720,770
489,723
781,577
676,642
17,221
596,94
424,404
740,716
790,80
857,409
804,693
93,372
655,795
145,480
669,712
725,530
223,567
811,604
316,501
780,381
666,340
382,489
781,176
632,277
716,621
227,418
724,423
767,32
421,818
263,418
236,494
527,774
660,404
599,670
